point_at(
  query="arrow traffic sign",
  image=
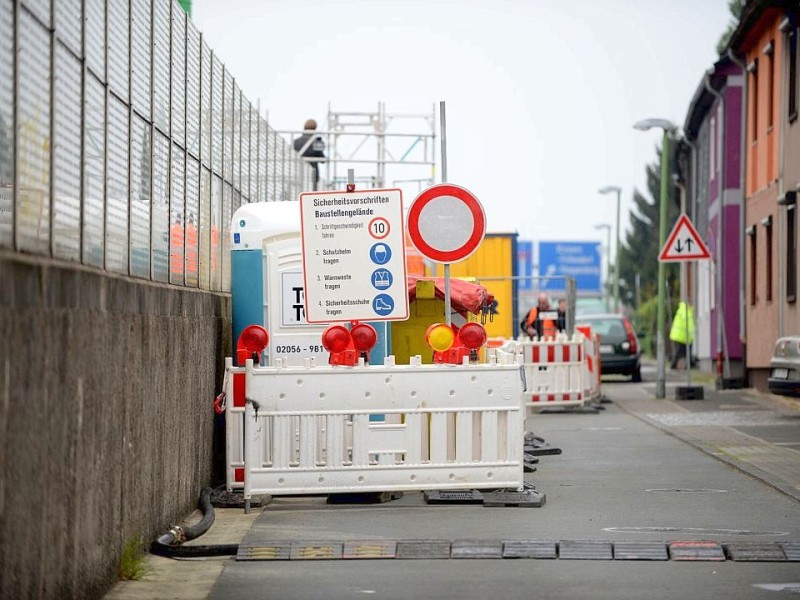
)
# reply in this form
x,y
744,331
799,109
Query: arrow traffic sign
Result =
x,y
684,243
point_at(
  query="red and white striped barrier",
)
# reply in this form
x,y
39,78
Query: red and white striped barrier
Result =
x,y
591,374
554,371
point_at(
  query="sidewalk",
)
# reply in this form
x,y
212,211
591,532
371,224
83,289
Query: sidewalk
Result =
x,y
188,579
754,432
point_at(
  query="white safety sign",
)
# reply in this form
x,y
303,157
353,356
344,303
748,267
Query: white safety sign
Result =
x,y
354,256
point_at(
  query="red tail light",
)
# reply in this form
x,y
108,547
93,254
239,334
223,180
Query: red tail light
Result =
x,y
631,336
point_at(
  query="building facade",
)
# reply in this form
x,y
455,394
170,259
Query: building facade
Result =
x,y
713,131
763,43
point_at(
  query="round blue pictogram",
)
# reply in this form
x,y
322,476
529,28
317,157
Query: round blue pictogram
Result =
x,y
380,253
382,279
383,304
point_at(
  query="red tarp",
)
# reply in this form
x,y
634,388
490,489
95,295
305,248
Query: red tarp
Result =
x,y
464,296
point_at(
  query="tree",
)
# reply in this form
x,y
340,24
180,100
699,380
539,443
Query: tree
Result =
x,y
735,7
639,252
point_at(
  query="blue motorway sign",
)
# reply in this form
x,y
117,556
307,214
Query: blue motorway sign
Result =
x,y
580,260
525,264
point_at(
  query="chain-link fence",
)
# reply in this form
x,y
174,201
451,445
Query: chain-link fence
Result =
x,y
125,143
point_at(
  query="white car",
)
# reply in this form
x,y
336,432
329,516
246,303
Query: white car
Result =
x,y
784,367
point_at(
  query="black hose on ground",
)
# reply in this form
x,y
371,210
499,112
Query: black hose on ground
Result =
x,y
171,545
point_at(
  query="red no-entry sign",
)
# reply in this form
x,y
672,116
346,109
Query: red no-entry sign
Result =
x,y
446,223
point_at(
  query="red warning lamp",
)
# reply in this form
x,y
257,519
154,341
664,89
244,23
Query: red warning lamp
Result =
x,y
472,335
336,338
251,343
346,346
364,336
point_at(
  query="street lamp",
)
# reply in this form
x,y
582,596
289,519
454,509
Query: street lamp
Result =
x,y
607,227
668,127
607,190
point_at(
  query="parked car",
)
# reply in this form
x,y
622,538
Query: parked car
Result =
x,y
620,352
784,367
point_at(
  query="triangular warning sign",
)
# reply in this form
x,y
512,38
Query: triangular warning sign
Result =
x,y
684,243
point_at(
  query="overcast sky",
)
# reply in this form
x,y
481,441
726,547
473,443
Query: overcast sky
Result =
x,y
540,95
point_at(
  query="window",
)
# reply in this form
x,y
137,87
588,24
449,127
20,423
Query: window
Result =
x,y
712,149
753,69
751,232
767,223
769,51
791,254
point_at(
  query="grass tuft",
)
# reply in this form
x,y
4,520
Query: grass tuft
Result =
x,y
132,561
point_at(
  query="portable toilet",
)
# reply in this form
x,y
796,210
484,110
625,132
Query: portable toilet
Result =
x,y
267,286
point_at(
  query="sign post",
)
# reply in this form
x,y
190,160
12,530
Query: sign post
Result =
x,y
684,244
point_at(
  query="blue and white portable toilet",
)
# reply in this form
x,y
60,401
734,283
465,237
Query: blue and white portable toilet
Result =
x,y
267,284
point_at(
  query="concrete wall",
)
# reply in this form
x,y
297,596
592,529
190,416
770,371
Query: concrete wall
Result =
x,y
106,418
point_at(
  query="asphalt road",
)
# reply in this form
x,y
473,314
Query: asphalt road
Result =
x,y
724,472
619,479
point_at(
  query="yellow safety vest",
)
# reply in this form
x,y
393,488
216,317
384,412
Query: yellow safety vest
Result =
x,y
680,327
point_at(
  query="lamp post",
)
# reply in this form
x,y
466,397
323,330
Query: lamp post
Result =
x,y
607,190
667,127
607,227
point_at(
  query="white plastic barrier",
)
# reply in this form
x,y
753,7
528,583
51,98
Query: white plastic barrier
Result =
x,y
234,425
308,429
591,374
555,371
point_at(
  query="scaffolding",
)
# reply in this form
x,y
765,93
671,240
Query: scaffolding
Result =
x,y
384,149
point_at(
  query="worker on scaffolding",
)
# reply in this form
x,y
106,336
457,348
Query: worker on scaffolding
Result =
x,y
311,146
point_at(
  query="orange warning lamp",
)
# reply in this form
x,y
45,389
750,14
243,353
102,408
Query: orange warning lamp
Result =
x,y
251,343
439,337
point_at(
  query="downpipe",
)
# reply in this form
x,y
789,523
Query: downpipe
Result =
x,y
170,544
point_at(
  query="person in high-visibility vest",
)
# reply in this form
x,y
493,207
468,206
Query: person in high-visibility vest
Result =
x,y
535,326
682,332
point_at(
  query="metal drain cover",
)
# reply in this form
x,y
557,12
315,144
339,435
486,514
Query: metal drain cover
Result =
x,y
370,549
476,549
696,551
316,550
640,551
585,550
792,551
755,551
272,551
529,549
411,549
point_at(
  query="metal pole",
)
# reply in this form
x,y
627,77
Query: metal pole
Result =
x,y
688,342
662,234
608,262
616,260
444,179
